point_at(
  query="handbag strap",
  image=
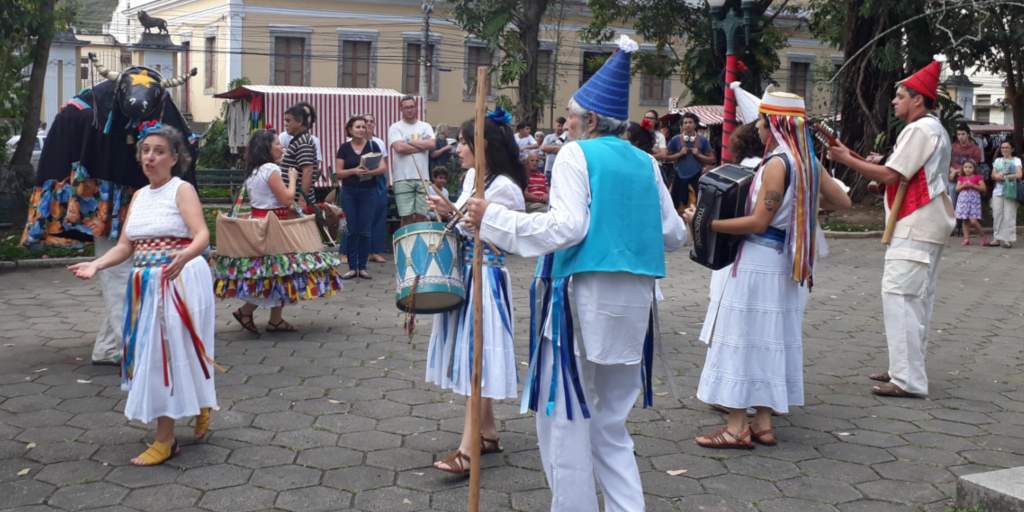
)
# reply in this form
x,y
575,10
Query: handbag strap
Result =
x,y
238,201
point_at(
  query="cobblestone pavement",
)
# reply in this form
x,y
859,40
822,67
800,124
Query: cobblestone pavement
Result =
x,y
338,416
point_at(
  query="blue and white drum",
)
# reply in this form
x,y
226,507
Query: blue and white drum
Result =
x,y
428,269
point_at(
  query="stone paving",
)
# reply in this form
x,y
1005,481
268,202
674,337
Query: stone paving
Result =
x,y
338,416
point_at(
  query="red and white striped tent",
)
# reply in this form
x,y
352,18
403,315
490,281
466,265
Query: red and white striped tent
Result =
x,y
710,115
334,106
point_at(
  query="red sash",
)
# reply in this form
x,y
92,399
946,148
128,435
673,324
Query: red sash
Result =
x,y
917,194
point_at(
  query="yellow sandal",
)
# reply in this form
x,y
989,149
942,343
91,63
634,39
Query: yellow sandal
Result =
x,y
157,453
202,423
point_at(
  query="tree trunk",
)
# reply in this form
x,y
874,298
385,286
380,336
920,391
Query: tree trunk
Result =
x,y
41,55
528,109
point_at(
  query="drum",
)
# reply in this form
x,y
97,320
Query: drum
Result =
x,y
428,270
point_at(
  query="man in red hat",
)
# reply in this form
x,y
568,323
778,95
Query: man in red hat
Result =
x,y
924,221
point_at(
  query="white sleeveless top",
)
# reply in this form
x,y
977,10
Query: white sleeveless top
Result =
x,y
155,213
260,195
783,216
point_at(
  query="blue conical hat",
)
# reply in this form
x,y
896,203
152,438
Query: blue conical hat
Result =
x,y
607,92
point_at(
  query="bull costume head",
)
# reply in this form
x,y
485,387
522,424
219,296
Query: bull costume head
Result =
x,y
140,91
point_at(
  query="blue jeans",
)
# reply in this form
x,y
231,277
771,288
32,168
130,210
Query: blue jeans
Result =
x,y
379,230
359,204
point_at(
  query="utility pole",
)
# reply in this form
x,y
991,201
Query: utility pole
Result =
x,y
428,8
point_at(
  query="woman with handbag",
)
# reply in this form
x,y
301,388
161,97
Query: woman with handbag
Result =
x,y
1006,173
285,275
167,367
359,197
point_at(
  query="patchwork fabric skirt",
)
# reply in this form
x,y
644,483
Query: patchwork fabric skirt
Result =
x,y
754,330
450,352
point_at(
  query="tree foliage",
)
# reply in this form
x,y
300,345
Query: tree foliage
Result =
x,y
513,27
683,24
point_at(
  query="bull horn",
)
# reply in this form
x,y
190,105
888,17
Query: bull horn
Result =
x,y
176,81
102,70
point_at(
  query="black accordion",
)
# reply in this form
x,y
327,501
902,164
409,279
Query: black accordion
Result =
x,y
721,194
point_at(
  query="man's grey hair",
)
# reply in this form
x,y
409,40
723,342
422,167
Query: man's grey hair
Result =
x,y
605,125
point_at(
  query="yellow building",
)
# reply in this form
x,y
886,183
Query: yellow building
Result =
x,y
373,43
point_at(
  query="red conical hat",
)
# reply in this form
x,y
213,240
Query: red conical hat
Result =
x,y
926,80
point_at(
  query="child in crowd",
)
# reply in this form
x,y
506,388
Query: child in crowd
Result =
x,y
970,186
439,181
537,184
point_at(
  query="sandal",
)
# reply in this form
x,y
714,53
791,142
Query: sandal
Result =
x,y
202,423
765,437
457,463
890,389
377,258
157,453
246,321
880,377
723,439
282,326
992,243
490,445
364,274
351,274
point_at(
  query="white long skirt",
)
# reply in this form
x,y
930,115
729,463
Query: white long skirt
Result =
x,y
754,326
449,355
187,387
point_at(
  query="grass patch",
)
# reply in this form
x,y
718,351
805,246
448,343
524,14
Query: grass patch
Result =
x,y
12,250
962,509
215,193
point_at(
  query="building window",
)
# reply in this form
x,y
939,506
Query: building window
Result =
x,y
355,63
592,61
83,68
654,89
289,60
544,69
477,56
412,67
798,75
982,115
983,99
210,64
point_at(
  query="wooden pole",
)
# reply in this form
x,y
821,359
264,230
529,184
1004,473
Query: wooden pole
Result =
x,y
894,210
479,151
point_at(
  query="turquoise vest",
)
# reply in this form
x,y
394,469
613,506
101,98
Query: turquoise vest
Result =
x,y
625,214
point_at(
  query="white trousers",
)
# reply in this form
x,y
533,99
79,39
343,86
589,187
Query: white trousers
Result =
x,y
1004,219
113,282
575,452
908,295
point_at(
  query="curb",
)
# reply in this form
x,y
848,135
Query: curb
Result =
x,y
43,262
852,234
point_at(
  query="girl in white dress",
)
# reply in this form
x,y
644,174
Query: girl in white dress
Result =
x,y
755,316
167,364
449,355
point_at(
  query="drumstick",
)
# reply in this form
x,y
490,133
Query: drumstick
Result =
x,y
427,186
480,152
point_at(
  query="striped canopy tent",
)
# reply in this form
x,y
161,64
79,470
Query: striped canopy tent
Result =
x,y
709,115
334,106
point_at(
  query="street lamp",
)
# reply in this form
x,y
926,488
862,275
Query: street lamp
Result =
x,y
728,20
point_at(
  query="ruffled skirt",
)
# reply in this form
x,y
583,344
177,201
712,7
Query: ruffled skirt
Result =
x,y
754,327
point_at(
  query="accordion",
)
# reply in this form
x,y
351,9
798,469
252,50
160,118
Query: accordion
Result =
x,y
721,194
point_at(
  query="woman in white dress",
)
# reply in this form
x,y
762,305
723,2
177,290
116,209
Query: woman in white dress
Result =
x,y
167,363
755,316
449,355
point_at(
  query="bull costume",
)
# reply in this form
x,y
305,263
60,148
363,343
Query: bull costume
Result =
x,y
88,172
593,321
923,224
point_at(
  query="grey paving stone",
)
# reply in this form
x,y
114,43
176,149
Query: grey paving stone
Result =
x,y
80,497
243,498
344,423
913,472
20,493
162,497
49,453
198,455
370,441
455,500
74,472
261,456
819,490
280,478
837,471
133,477
399,459
740,487
792,505
762,468
855,453
358,479
298,440
907,493
282,421
332,457
314,499
391,499
213,477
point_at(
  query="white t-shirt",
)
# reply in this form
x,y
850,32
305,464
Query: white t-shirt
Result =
x,y
260,195
410,167
551,139
523,142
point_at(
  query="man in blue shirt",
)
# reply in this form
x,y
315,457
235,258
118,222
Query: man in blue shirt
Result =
x,y
691,153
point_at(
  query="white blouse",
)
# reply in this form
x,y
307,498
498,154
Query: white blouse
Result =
x,y
260,194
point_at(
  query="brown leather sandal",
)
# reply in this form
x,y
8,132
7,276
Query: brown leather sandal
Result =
x,y
246,321
890,389
457,463
765,437
282,326
880,377
723,439
490,445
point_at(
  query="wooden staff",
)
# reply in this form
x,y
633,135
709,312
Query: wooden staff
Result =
x,y
479,151
894,211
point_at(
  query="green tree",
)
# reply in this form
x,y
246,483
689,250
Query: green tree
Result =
x,y
512,26
672,24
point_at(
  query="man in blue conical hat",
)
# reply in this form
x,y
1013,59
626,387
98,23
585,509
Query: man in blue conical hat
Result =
x,y
593,319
